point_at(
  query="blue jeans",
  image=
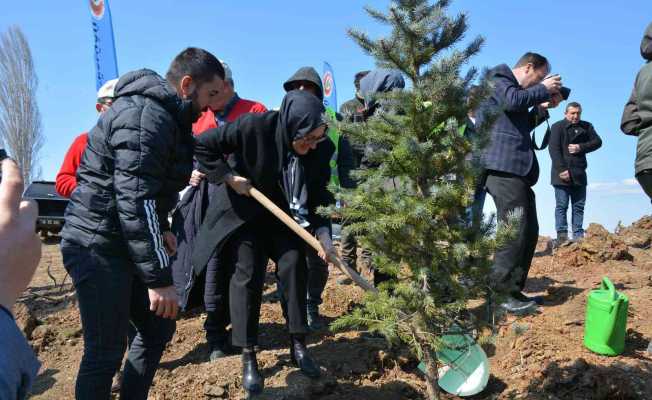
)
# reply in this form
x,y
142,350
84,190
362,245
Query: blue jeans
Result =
x,y
577,197
114,304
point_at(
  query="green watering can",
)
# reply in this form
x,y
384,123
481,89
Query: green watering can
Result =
x,y
606,320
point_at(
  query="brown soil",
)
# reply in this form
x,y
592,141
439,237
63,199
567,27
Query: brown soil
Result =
x,y
540,356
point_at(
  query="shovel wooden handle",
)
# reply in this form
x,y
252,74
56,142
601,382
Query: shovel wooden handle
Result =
x,y
310,239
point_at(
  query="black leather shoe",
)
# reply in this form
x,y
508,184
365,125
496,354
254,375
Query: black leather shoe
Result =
x,y
315,322
517,307
301,358
252,380
521,297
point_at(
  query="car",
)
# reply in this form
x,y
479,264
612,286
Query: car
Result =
x,y
51,207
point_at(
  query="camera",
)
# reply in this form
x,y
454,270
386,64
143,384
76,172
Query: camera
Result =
x,y
564,92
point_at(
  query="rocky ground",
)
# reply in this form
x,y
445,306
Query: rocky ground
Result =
x,y
539,356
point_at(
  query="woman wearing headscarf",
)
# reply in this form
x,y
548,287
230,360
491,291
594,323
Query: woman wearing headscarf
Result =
x,y
283,154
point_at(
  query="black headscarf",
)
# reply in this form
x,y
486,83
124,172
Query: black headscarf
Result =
x,y
300,113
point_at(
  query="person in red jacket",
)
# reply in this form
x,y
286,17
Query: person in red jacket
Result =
x,y
66,180
188,216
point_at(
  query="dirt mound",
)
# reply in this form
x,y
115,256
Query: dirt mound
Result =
x,y
598,246
639,234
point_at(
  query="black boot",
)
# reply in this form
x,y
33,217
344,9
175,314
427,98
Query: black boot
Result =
x,y
314,321
252,380
301,358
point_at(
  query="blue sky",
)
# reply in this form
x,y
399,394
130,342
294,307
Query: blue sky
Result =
x,y
592,44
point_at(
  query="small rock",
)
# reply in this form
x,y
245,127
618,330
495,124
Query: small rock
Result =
x,y
577,322
214,391
649,348
41,332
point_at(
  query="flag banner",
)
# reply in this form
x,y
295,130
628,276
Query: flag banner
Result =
x,y
106,63
330,94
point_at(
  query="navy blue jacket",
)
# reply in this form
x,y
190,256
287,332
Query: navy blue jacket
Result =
x,y
510,147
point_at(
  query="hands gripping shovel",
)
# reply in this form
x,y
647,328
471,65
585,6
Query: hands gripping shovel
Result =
x,y
311,240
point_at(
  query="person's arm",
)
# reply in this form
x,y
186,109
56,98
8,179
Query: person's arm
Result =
x,y
555,149
515,98
345,164
141,158
21,251
66,180
631,120
212,146
594,142
318,175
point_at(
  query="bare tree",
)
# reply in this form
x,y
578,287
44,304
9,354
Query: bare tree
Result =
x,y
20,120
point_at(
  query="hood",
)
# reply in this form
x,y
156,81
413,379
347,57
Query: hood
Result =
x,y
300,114
646,44
380,81
147,83
305,74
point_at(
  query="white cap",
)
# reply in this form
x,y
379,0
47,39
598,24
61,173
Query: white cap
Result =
x,y
228,75
108,89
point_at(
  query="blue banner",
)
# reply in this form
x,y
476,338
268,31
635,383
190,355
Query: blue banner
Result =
x,y
330,94
106,63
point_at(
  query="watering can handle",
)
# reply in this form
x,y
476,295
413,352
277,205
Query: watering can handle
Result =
x,y
608,285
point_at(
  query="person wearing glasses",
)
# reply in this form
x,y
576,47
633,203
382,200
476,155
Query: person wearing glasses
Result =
x,y
280,153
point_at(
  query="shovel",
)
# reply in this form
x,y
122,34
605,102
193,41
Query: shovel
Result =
x,y
310,239
465,375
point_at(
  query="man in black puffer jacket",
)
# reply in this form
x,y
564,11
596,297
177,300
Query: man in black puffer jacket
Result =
x,y
116,240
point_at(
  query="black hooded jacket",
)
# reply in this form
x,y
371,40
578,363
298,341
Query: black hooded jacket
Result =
x,y
138,157
259,146
308,74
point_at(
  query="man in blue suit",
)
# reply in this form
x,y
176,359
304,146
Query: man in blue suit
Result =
x,y
522,95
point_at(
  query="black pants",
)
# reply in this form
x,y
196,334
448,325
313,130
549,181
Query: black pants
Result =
x,y
645,180
216,300
349,248
111,298
248,249
512,261
317,278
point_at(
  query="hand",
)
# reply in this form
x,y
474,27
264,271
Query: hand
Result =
x,y
239,184
327,251
574,148
20,247
552,83
554,101
196,177
565,176
164,302
170,243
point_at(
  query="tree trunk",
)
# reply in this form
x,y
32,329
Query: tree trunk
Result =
x,y
432,376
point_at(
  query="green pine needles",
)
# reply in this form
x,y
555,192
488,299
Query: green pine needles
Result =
x,y
412,210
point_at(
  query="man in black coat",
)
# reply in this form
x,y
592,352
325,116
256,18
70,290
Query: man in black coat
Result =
x,y
117,241
521,97
570,140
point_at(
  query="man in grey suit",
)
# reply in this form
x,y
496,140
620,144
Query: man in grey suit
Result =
x,y
521,98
